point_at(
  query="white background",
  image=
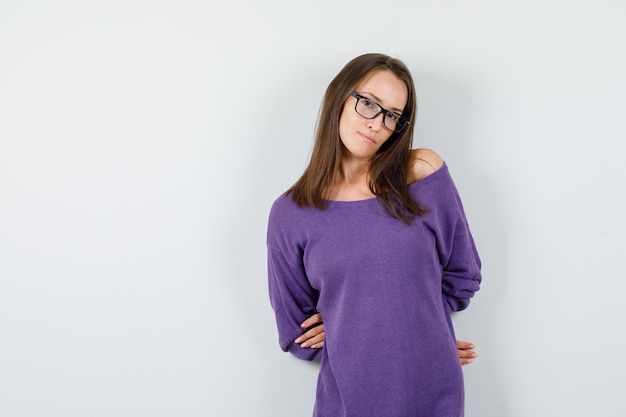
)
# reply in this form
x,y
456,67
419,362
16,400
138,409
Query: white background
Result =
x,y
143,142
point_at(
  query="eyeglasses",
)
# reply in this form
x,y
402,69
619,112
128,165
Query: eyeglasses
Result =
x,y
370,110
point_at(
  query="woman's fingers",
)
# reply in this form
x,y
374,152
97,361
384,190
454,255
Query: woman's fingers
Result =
x,y
466,353
314,336
311,321
314,342
311,337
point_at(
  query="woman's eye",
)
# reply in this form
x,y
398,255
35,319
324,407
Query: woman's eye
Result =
x,y
392,116
367,103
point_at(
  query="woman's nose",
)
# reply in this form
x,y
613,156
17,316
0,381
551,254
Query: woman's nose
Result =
x,y
376,123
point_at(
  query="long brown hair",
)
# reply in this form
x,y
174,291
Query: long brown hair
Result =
x,y
388,168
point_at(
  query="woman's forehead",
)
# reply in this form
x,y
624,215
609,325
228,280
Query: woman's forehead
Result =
x,y
386,88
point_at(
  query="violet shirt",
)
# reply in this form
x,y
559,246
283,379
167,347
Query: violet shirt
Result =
x,y
385,290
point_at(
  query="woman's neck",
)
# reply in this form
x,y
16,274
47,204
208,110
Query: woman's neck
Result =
x,y
351,182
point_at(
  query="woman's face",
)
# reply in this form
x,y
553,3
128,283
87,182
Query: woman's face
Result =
x,y
363,137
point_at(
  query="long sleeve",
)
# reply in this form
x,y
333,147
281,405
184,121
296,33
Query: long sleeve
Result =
x,y
461,272
291,295
455,245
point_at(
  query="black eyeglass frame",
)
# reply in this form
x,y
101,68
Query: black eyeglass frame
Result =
x,y
402,120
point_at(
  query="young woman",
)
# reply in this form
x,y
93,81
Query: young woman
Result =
x,y
373,238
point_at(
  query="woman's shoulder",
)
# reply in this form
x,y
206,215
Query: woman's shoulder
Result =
x,y
283,204
423,162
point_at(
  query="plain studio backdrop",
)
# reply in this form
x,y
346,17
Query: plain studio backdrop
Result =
x,y
143,142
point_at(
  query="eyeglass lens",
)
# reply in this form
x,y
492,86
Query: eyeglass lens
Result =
x,y
370,109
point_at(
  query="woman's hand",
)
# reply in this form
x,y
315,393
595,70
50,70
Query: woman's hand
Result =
x,y
466,354
314,336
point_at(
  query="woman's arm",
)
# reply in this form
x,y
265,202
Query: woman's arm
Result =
x,y
313,338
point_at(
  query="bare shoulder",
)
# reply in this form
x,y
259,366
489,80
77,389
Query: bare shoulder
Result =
x,y
423,163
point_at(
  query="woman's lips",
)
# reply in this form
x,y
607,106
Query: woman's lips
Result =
x,y
367,138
